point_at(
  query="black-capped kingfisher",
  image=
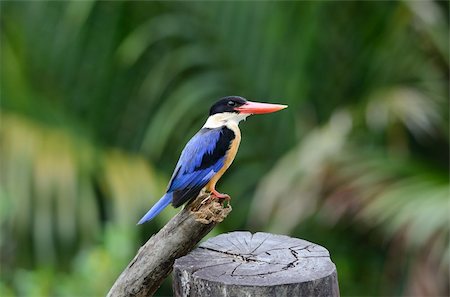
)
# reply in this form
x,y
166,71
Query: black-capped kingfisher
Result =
x,y
209,153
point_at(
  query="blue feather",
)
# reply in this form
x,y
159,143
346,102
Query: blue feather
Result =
x,y
190,173
157,208
186,173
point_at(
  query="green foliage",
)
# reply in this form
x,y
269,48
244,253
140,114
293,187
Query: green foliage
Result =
x,y
98,99
93,270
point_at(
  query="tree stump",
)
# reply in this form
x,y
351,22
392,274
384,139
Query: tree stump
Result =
x,y
260,264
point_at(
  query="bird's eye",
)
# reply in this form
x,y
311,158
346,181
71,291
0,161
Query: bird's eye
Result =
x,y
231,103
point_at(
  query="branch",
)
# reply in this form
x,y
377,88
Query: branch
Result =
x,y
154,260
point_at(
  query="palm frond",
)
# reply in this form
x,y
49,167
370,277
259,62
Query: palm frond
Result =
x,y
51,180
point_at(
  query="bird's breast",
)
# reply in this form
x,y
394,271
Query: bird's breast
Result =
x,y
230,153
234,146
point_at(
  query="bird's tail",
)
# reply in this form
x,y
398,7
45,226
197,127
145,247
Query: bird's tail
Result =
x,y
157,208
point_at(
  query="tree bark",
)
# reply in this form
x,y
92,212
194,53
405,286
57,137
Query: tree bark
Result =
x,y
261,264
154,260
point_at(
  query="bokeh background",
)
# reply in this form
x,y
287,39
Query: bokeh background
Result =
x,y
99,98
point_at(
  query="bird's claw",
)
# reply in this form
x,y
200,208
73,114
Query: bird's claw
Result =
x,y
220,196
225,198
216,195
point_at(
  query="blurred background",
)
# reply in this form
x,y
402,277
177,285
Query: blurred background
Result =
x,y
99,98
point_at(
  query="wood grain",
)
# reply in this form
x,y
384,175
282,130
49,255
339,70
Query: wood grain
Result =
x,y
260,264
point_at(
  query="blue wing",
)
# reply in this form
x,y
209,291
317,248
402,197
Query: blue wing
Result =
x,y
203,156
201,159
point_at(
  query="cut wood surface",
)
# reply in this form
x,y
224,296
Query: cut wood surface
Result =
x,y
260,264
154,260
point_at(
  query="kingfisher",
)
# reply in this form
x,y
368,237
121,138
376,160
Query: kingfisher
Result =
x,y
209,153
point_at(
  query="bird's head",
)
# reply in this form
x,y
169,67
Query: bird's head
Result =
x,y
235,109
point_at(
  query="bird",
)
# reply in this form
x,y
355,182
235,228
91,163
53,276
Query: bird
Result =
x,y
209,153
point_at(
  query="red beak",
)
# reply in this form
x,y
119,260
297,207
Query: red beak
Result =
x,y
259,108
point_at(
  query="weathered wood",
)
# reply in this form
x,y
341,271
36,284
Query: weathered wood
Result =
x,y
260,264
155,259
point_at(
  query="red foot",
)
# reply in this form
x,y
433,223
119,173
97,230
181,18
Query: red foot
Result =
x,y
220,195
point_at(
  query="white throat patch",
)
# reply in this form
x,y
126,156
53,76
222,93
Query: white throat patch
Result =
x,y
224,119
